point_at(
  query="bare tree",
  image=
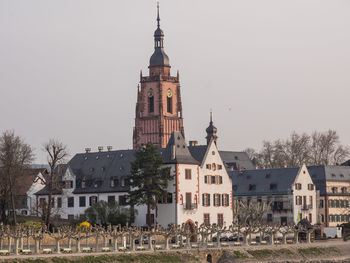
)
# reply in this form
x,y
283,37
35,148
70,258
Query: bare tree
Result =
x,y
56,154
15,156
319,148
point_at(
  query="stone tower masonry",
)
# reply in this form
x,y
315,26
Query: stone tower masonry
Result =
x,y
158,107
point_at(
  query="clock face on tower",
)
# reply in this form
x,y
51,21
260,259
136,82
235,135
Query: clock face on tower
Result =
x,y
150,93
169,93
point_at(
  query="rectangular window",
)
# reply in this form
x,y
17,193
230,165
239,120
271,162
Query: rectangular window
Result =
x,y
68,185
219,167
206,219
213,179
188,174
269,217
225,200
208,166
298,186
122,200
82,201
170,105
188,200
59,202
220,179
310,202
220,219
206,199
151,104
321,203
217,199
152,219
169,198
70,202
205,179
92,200
111,199
310,218
310,187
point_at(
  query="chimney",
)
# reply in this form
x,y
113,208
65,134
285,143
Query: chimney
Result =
x,y
100,148
87,150
193,143
109,148
285,165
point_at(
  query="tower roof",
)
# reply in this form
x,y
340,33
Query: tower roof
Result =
x,y
159,58
211,130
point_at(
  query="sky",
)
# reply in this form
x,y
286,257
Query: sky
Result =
x,y
69,69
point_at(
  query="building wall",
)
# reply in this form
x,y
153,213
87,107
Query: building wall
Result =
x,y
306,209
337,203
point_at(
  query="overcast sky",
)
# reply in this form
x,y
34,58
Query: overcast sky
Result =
x,y
69,69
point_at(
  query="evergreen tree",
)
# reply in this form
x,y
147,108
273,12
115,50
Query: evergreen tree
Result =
x,y
148,180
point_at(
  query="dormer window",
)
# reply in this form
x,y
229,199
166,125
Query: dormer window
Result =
x,y
334,190
344,190
83,183
252,187
273,186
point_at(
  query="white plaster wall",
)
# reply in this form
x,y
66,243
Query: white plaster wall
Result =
x,y
167,212
304,179
37,185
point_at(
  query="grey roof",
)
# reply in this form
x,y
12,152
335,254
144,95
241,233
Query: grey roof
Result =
x,y
159,58
320,174
262,179
232,159
60,170
97,169
177,151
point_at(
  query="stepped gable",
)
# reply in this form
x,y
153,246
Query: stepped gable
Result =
x,y
262,179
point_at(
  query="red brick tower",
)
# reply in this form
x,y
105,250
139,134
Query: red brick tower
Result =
x,y
158,107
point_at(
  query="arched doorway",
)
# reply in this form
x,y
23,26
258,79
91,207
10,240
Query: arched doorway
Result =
x,y
209,258
192,227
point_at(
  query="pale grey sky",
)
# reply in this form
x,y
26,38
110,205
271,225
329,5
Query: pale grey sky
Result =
x,y
69,68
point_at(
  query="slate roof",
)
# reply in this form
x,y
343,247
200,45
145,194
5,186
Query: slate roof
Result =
x,y
231,159
97,169
59,171
320,174
262,179
25,181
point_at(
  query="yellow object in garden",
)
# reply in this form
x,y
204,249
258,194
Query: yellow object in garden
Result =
x,y
84,224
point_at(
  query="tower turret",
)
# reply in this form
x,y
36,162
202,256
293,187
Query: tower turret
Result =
x,y
211,131
159,61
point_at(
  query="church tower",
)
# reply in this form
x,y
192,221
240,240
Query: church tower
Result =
x,y
158,107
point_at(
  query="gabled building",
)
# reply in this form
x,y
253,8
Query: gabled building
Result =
x,y
290,190
333,184
27,184
200,191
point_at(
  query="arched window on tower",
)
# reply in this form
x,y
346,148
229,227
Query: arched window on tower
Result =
x,y
170,105
151,104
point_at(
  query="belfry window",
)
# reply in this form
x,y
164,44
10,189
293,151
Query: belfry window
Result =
x,y
151,104
170,105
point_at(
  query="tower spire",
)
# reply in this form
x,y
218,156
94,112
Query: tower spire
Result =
x,y
211,130
158,19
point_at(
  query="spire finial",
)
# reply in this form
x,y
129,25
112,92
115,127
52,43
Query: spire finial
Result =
x,y
158,19
211,116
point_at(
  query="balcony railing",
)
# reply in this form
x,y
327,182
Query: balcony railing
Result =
x,y
190,206
306,207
